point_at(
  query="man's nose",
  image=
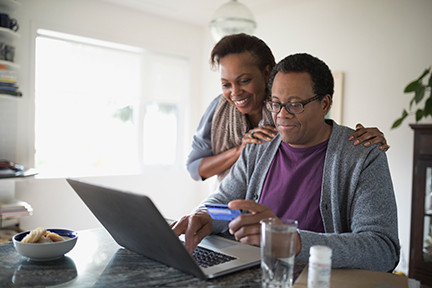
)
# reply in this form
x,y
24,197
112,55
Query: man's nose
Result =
x,y
283,113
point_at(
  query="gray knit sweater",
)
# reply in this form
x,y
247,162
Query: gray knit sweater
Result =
x,y
357,205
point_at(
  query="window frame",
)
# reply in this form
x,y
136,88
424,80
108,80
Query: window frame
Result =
x,y
182,104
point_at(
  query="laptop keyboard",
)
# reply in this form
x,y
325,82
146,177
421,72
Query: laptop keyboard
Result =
x,y
208,258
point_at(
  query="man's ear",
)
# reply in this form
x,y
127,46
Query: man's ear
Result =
x,y
326,104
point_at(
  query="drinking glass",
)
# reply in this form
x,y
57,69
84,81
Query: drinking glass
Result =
x,y
278,247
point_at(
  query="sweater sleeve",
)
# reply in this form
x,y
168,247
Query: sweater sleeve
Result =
x,y
359,211
201,143
232,187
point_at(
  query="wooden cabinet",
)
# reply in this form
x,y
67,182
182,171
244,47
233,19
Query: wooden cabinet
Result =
x,y
420,263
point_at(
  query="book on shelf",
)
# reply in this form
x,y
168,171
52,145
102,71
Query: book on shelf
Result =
x,y
8,88
9,74
5,81
11,93
14,209
10,222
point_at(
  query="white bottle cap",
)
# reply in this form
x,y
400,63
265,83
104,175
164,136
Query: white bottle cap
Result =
x,y
323,253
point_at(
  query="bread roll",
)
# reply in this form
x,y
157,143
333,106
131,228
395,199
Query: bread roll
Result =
x,y
34,235
54,237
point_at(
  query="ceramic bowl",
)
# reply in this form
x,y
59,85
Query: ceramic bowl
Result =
x,y
46,251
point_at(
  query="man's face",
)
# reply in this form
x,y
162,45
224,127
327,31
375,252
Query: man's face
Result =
x,y
307,128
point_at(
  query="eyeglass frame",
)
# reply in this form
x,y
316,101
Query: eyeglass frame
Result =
x,y
286,108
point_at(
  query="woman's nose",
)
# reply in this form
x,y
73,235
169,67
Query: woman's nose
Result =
x,y
236,90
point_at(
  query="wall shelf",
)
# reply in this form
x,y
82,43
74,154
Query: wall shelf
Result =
x,y
9,4
10,64
9,33
7,96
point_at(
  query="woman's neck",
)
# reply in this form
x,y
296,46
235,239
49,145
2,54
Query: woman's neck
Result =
x,y
254,118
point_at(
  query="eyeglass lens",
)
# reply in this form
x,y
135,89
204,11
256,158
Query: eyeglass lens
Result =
x,y
293,108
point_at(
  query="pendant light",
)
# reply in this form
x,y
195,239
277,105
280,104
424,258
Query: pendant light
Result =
x,y
232,18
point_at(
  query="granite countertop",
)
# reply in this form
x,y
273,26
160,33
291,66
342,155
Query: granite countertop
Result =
x,y
98,261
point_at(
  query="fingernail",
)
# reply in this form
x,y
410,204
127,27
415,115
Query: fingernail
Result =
x,y
350,138
268,138
367,144
356,142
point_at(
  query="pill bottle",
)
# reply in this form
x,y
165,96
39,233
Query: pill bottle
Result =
x,y
319,267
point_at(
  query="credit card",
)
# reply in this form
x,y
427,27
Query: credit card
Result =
x,y
221,212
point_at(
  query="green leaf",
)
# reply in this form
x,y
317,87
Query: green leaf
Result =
x,y
398,122
411,87
419,93
428,107
424,74
430,81
411,102
419,114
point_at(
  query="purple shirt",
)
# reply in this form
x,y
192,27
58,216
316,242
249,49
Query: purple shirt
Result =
x,y
292,188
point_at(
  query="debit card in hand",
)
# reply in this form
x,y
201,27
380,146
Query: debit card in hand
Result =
x,y
221,212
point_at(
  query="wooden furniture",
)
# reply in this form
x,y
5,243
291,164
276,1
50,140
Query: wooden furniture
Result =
x,y
420,263
357,278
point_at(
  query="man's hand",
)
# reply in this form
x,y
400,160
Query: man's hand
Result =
x,y
195,227
247,228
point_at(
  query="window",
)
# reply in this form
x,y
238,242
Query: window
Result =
x,y
103,108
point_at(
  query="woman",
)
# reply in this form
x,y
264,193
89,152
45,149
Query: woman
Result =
x,y
238,116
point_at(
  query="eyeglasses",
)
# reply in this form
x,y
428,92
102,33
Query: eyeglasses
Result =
x,y
293,107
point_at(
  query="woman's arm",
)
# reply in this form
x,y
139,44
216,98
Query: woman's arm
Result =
x,y
216,164
201,143
370,135
213,165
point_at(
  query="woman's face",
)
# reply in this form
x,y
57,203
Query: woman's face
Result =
x,y
243,83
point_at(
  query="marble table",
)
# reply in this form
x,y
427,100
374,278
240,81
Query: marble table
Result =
x,y
98,261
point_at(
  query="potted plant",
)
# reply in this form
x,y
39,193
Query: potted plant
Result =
x,y
420,89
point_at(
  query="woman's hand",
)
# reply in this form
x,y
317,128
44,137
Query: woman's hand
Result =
x,y
371,135
255,135
213,165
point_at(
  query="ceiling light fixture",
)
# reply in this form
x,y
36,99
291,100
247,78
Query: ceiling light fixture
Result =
x,y
232,18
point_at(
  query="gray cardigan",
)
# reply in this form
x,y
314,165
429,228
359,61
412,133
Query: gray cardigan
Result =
x,y
358,205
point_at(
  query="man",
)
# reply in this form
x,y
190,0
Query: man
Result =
x,y
341,195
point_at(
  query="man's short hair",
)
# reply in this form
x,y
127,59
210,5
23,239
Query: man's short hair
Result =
x,y
322,78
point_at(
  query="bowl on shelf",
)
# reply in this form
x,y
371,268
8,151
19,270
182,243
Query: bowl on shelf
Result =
x,y
46,251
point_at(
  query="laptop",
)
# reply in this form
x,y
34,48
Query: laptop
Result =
x,y
136,224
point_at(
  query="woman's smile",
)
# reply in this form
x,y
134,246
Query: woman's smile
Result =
x,y
242,102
